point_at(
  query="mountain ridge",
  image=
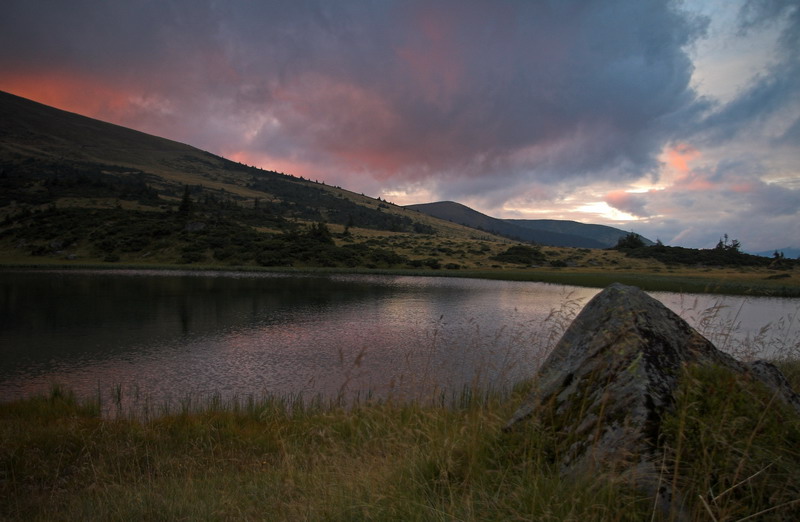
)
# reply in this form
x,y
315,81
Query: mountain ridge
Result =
x,y
49,147
790,252
551,232
73,187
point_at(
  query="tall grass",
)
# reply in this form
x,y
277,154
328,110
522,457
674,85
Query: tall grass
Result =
x,y
282,460
776,340
731,451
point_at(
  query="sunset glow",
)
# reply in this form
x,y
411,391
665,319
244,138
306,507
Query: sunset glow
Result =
x,y
676,120
679,156
70,92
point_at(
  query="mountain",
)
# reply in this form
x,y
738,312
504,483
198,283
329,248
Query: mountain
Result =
x,y
53,157
542,231
82,188
463,215
606,235
788,252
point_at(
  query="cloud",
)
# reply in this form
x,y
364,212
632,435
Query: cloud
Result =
x,y
680,155
774,200
701,204
394,90
761,107
502,104
628,202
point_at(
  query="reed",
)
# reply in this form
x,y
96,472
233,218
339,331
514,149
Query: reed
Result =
x,y
731,452
732,448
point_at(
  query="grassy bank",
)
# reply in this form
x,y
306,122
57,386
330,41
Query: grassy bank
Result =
x,y
276,459
709,281
723,282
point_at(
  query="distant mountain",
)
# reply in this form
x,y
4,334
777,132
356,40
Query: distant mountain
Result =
x,y
608,236
542,231
789,252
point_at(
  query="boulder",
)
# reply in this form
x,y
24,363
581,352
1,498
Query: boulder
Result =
x,y
611,378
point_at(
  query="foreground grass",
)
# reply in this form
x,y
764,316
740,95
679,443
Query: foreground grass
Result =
x,y
280,461
733,448
275,459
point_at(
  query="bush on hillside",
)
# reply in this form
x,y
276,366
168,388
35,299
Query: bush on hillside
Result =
x,y
521,255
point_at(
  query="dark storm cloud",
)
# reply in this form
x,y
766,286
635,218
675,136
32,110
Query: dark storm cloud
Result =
x,y
103,37
773,200
517,91
769,93
509,106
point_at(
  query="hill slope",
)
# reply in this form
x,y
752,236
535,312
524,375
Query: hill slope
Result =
x,y
542,231
80,187
604,234
42,150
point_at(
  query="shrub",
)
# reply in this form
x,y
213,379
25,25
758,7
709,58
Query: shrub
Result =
x,y
629,241
521,255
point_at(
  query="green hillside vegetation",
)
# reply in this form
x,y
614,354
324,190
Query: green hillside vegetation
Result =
x,y
521,255
77,189
726,253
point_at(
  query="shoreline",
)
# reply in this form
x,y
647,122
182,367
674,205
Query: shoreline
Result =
x,y
723,282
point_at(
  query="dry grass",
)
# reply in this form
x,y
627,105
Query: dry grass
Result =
x,y
731,452
732,449
286,460
280,460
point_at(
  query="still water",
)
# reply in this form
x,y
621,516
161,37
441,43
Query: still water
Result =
x,y
163,336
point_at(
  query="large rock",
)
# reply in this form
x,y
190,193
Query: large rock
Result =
x,y
611,378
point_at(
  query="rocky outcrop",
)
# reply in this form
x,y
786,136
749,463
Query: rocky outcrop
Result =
x,y
611,378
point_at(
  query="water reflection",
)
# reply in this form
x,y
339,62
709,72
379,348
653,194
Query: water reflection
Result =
x,y
169,335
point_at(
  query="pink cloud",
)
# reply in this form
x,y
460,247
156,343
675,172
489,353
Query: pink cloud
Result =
x,y
679,156
631,203
433,59
745,187
71,92
693,181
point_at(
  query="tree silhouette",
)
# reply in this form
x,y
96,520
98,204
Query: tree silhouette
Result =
x,y
187,205
629,241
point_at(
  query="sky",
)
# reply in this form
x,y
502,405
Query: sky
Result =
x,y
676,120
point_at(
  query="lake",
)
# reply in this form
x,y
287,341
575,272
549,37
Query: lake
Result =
x,y
155,337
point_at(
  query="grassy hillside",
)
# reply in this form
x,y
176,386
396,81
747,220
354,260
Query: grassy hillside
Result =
x,y
51,156
81,189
